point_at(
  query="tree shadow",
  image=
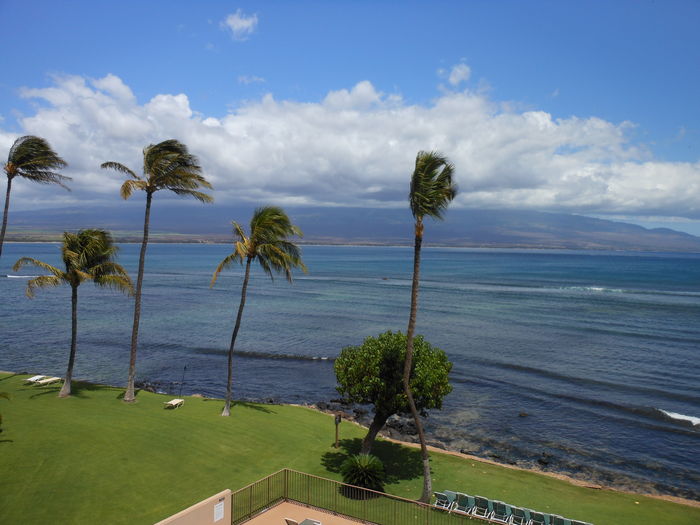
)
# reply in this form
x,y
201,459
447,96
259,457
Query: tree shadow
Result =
x,y
253,406
80,388
47,390
9,377
400,462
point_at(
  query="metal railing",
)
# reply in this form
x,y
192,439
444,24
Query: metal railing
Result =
x,y
335,497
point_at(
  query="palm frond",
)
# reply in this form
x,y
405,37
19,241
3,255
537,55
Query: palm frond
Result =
x,y
226,263
116,166
32,158
130,185
432,187
200,196
120,283
43,281
27,261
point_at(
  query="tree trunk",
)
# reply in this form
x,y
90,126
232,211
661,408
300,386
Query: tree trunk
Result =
x,y
427,481
227,407
129,396
377,424
4,215
65,390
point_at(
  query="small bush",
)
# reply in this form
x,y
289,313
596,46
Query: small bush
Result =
x,y
363,470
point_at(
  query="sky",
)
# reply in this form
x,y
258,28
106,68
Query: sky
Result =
x,y
586,107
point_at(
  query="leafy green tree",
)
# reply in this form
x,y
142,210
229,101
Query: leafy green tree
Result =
x,y
372,373
166,166
431,192
33,159
88,256
269,244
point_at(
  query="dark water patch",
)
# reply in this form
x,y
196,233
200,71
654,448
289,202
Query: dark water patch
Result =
x,y
265,355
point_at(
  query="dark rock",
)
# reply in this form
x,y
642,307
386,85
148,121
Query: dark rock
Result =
x,y
523,414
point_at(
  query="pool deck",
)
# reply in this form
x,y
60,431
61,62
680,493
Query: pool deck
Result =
x,y
275,515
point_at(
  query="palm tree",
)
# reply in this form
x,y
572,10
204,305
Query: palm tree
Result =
x,y
270,229
33,159
166,166
88,256
432,190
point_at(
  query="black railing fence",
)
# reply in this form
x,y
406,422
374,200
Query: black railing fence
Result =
x,y
338,498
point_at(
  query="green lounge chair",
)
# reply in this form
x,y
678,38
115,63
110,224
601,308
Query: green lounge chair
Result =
x,y
482,507
577,522
464,504
539,518
501,512
559,520
442,501
519,516
451,496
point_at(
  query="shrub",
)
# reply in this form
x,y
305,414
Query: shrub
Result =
x,y
363,470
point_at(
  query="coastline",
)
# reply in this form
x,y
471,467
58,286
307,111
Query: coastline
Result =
x,y
555,475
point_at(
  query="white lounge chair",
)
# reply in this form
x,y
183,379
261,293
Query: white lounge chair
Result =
x,y
47,381
34,379
174,403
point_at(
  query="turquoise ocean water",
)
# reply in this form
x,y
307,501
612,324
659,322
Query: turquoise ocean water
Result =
x,y
599,349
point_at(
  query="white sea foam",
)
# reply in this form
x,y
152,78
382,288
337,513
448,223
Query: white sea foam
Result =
x,y
674,415
21,276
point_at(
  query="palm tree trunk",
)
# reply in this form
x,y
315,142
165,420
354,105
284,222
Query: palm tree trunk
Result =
x,y
4,215
65,390
227,406
427,481
129,396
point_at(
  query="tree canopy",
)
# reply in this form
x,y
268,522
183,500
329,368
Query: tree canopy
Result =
x,y
372,374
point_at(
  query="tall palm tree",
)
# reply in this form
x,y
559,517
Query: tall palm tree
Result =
x,y
33,159
269,243
166,166
432,190
88,256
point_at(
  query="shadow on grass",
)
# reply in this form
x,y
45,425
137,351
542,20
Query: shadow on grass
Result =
x,y
8,377
46,390
400,463
253,406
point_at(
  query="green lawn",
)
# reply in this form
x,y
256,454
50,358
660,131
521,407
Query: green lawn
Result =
x,y
93,459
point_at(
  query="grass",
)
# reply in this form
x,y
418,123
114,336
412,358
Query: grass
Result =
x,y
93,459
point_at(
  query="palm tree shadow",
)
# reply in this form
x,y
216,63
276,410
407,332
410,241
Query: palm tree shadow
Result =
x,y
9,377
400,462
80,388
47,390
254,406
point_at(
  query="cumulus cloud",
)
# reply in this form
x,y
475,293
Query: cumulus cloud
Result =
x,y
240,25
250,79
459,73
356,147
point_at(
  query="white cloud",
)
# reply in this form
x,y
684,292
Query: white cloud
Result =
x,y
459,73
356,147
250,79
240,25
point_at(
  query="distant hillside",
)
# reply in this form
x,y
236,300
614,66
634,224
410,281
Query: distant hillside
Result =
x,y
486,228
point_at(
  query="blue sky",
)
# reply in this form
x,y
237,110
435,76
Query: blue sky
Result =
x,y
588,107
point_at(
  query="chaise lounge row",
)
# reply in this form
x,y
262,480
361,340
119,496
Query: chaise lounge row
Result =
x,y
497,511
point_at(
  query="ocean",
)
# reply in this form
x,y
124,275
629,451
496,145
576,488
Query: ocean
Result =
x,y
584,363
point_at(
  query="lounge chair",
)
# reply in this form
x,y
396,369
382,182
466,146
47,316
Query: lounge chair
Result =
x,y
577,522
482,507
290,521
47,381
465,503
34,379
559,520
174,403
519,516
442,501
539,518
500,513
